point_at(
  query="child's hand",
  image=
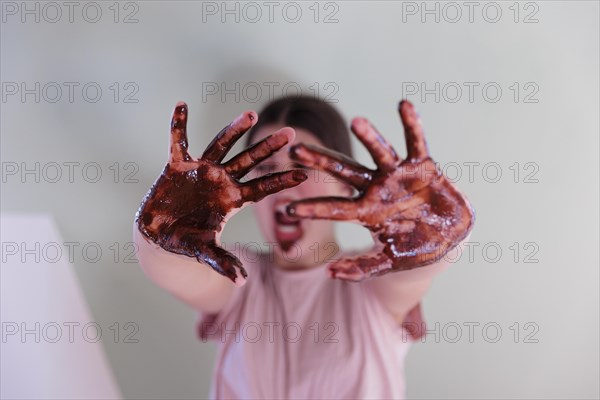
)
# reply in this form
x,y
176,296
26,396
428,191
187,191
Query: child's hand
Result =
x,y
187,207
413,212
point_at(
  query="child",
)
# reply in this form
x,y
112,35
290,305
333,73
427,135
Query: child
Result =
x,y
302,320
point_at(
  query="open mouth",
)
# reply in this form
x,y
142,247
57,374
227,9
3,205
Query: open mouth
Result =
x,y
288,230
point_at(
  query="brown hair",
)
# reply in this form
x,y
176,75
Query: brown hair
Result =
x,y
311,114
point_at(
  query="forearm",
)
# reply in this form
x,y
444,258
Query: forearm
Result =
x,y
192,282
400,291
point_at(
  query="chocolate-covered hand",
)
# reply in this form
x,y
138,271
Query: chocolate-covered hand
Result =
x,y
187,207
414,213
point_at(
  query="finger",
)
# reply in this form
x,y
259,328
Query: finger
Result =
x,y
334,208
382,152
256,189
223,262
241,164
359,268
416,147
336,164
218,148
179,141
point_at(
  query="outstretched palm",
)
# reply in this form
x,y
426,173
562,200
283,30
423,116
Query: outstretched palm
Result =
x,y
187,207
413,212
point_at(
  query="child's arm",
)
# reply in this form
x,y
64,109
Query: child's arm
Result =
x,y
179,223
400,292
182,276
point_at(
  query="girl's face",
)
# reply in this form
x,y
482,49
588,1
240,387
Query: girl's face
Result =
x,y
296,243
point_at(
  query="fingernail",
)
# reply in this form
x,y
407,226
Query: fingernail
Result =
x,y
293,151
251,115
180,107
358,123
299,175
243,117
407,104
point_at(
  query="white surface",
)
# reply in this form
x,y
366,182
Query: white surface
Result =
x,y
54,360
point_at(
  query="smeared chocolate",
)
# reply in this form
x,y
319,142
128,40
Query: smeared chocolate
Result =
x,y
187,207
415,214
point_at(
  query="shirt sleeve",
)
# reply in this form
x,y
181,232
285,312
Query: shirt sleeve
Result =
x,y
415,323
211,325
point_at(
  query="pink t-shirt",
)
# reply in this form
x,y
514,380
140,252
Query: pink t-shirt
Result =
x,y
302,335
